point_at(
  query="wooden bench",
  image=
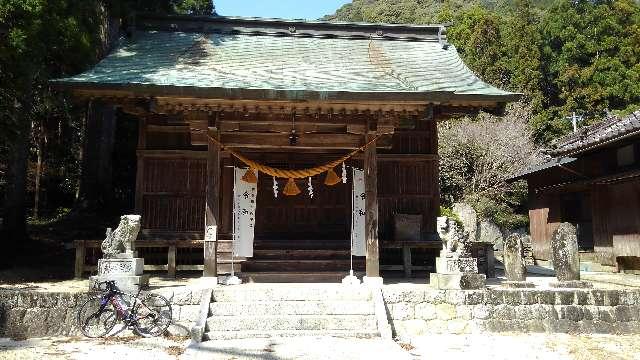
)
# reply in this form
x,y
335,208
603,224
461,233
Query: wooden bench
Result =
x,y
406,247
171,246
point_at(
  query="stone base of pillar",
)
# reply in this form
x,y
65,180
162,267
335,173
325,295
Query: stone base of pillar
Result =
x,y
518,284
375,282
230,280
572,284
466,281
351,279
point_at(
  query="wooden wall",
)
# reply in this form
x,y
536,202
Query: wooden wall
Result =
x,y
408,183
173,194
171,185
616,209
614,203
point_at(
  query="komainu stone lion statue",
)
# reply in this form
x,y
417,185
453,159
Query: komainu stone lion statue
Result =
x,y
454,239
121,241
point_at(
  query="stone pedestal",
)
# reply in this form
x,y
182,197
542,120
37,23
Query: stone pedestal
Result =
x,y
571,284
518,284
126,272
457,273
457,281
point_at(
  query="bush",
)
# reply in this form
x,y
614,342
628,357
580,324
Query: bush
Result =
x,y
478,155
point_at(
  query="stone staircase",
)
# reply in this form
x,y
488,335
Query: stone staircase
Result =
x,y
302,261
288,310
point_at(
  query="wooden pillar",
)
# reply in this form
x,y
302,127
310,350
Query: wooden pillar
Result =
x,y
171,261
80,252
371,214
406,261
212,210
142,145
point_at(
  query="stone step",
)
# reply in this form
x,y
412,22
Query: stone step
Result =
x,y
252,334
292,322
292,292
301,265
284,254
334,277
258,308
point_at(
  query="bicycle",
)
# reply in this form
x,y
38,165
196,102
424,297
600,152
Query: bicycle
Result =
x,y
149,315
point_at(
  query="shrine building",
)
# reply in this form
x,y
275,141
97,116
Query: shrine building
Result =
x,y
287,99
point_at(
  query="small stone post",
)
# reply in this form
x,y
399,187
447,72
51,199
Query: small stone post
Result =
x,y
514,266
565,256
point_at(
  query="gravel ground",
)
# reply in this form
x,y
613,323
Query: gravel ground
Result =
x,y
477,346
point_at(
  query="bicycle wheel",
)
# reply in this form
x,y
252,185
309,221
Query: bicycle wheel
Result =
x,y
96,320
153,315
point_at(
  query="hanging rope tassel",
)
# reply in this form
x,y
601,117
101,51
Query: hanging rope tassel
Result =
x,y
332,178
344,173
291,189
250,177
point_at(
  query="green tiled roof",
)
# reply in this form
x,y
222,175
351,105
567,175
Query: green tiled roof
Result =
x,y
320,63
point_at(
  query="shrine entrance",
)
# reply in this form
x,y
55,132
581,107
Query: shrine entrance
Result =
x,y
302,237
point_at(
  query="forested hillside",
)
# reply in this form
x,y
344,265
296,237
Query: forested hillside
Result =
x,y
565,55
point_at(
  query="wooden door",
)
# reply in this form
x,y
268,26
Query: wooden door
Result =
x,y
326,216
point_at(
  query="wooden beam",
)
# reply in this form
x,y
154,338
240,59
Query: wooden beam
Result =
x,y
402,157
371,213
212,210
304,141
285,128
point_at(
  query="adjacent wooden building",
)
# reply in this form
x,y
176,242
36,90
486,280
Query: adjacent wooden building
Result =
x,y
592,180
290,94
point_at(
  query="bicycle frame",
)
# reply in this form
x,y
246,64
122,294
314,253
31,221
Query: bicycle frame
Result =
x,y
128,314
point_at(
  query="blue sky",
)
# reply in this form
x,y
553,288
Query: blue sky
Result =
x,y
286,9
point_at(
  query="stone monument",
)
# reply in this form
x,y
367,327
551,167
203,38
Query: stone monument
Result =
x,y
119,260
514,266
455,267
469,219
566,259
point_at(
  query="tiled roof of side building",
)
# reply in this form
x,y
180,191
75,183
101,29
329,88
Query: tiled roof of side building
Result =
x,y
611,129
567,148
413,62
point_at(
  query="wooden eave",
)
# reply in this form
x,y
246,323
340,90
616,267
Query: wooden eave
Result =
x,y
173,99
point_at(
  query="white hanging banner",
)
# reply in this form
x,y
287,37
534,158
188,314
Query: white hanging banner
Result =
x,y
358,242
244,210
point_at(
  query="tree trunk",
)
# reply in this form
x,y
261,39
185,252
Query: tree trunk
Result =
x,y
96,181
95,190
36,195
14,226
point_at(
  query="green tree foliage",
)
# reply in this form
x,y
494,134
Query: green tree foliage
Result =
x,y
563,55
592,61
42,40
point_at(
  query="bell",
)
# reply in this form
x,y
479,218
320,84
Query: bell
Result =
x,y
250,177
291,189
332,178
